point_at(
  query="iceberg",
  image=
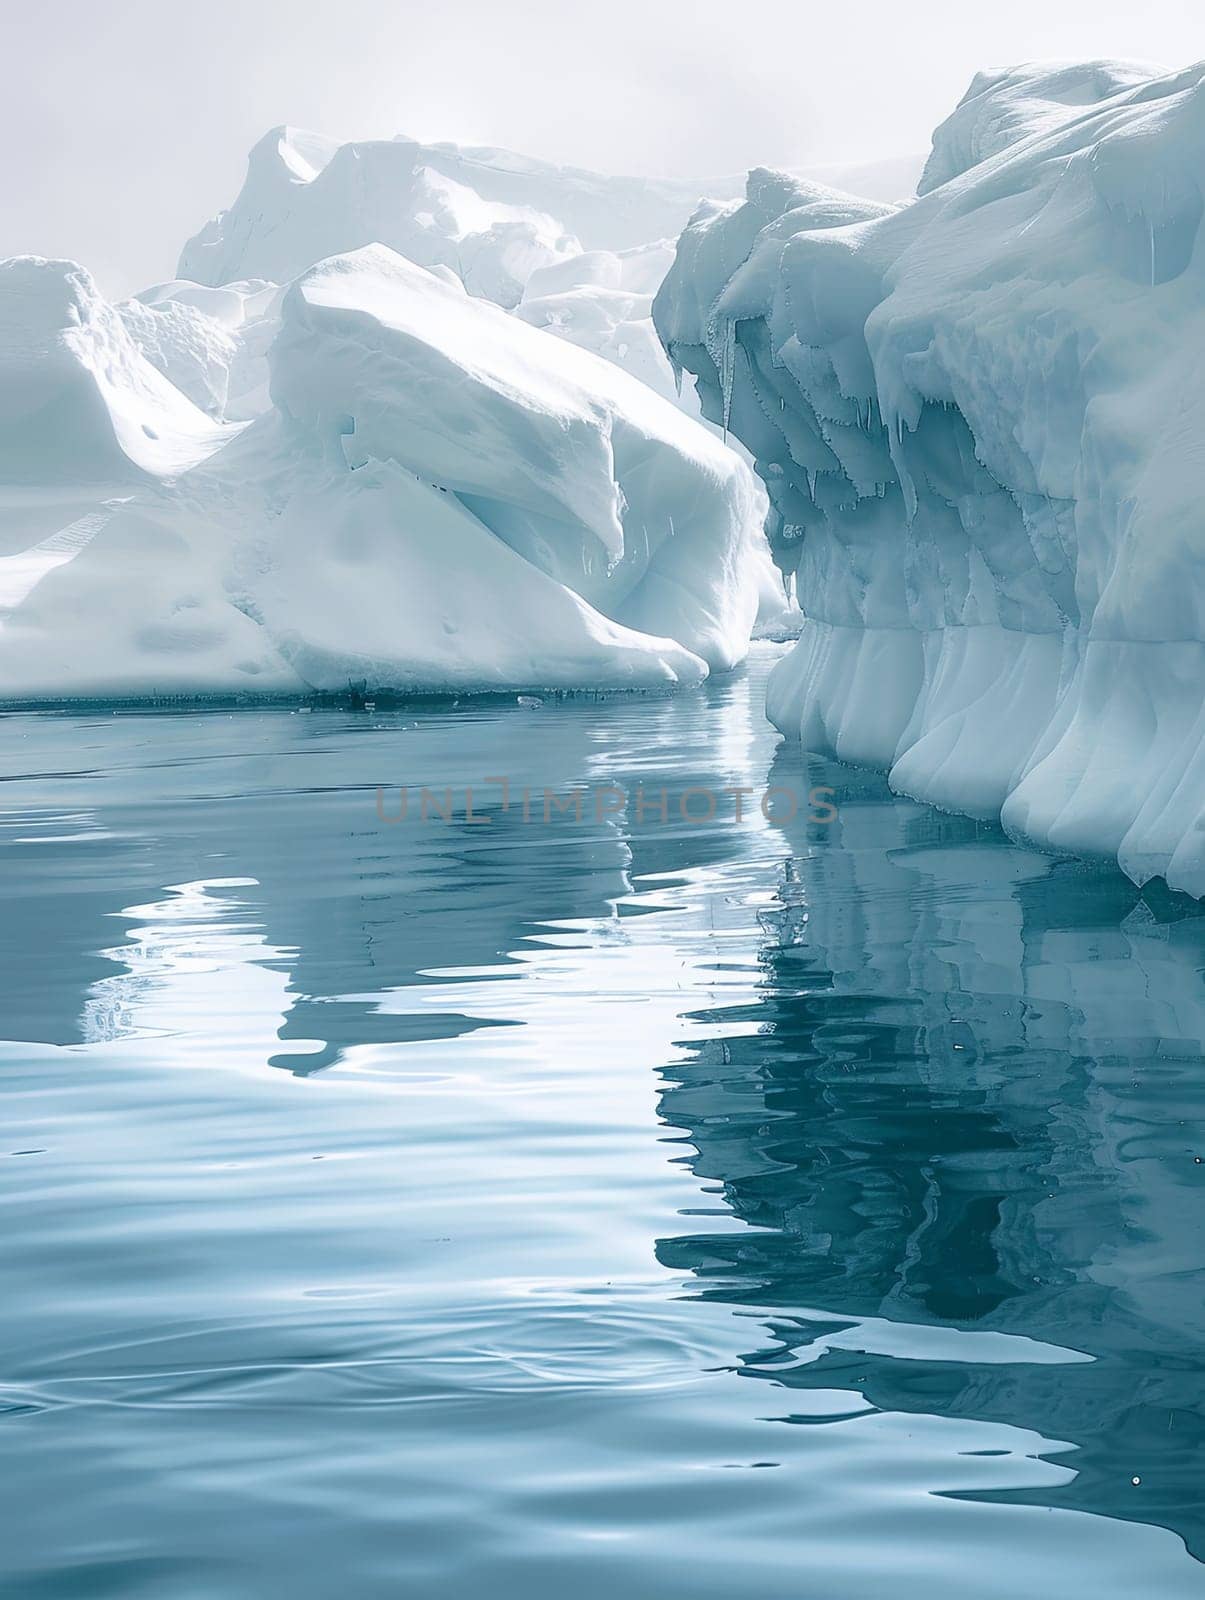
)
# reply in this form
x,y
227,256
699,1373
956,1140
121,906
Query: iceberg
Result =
x,y
437,497
588,476
978,415
489,215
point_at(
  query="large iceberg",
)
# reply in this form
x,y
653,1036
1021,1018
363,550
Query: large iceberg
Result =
x,y
438,496
491,216
979,417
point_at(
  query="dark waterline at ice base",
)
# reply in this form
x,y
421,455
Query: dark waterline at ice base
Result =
x,y
594,1207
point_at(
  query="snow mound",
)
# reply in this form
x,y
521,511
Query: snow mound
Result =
x,y
79,401
440,498
980,420
128,600
490,216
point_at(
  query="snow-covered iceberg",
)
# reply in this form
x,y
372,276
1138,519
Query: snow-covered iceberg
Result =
x,y
979,417
550,460
491,216
438,497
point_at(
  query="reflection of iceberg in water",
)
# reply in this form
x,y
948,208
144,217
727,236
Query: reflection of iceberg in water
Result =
x,y
194,957
314,936
380,908
975,1095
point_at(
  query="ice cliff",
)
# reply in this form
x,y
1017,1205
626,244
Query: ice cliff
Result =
x,y
979,416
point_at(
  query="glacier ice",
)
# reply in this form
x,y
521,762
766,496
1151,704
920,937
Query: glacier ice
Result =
x,y
620,542
431,495
978,415
190,349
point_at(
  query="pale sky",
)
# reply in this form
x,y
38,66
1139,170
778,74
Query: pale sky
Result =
x,y
126,123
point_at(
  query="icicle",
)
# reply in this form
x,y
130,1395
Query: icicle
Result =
x,y
1151,228
727,371
811,477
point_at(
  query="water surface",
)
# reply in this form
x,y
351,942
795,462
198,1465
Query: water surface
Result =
x,y
582,1207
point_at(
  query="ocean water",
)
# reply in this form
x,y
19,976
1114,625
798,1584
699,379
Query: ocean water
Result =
x,y
496,1205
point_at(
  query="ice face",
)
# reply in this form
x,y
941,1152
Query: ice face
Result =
x,y
978,416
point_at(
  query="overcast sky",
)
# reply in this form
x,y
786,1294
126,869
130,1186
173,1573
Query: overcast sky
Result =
x,y
126,123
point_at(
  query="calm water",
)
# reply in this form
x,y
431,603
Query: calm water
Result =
x,y
582,1208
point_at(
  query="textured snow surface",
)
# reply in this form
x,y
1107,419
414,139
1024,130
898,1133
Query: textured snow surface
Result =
x,y
435,495
79,400
211,343
980,418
